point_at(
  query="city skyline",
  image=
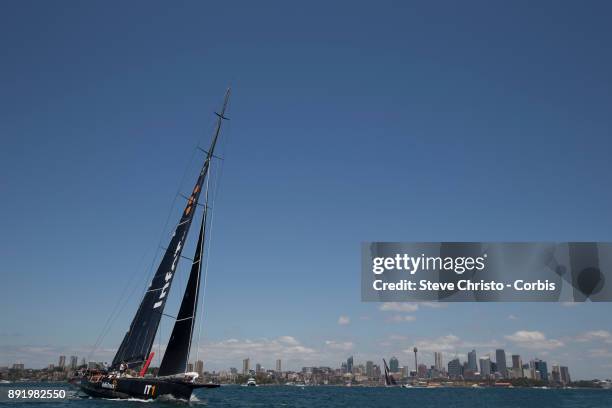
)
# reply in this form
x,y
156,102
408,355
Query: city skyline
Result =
x,y
454,367
490,125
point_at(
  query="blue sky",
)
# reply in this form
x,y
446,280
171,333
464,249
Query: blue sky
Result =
x,y
350,122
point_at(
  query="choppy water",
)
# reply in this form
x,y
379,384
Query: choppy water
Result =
x,y
284,396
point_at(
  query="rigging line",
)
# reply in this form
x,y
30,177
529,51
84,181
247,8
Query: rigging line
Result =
x,y
113,316
215,191
116,310
202,248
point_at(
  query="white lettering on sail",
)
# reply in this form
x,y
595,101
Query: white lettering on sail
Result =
x,y
168,276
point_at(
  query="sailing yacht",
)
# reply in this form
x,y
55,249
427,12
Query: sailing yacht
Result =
x,y
135,349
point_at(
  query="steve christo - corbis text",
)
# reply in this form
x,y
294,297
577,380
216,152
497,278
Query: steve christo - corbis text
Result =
x,y
458,265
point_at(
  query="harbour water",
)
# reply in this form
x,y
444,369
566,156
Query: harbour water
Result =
x,y
286,396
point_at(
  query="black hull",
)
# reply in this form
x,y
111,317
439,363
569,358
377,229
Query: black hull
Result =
x,y
141,388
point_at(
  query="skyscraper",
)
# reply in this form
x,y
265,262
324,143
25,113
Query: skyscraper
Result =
x,y
455,368
278,366
555,373
542,368
472,362
62,362
199,367
349,364
246,367
516,361
485,367
438,361
74,362
565,377
500,360
258,368
369,369
394,364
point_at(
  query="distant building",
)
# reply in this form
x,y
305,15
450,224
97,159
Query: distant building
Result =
x,y
349,364
438,361
258,368
18,366
485,367
246,366
83,362
472,362
422,371
394,365
542,368
189,367
455,369
199,367
500,360
555,373
278,366
565,376
74,362
369,369
62,362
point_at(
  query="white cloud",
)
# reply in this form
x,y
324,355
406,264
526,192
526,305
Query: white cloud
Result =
x,y
533,340
434,305
399,307
600,353
344,320
335,345
602,335
512,317
401,318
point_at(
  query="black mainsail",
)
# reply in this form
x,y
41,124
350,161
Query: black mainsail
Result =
x,y
177,351
389,380
138,341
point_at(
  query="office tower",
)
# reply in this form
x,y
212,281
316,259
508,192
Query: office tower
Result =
x,y
517,366
246,366
500,360
416,368
18,366
349,364
258,368
278,366
472,362
540,366
438,361
394,365
555,373
199,367
565,377
74,362
422,371
369,369
62,362
83,362
485,367
455,368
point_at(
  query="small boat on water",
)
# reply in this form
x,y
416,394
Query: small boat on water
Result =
x,y
134,353
250,383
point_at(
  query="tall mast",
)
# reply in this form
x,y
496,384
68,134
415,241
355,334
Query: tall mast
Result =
x,y
137,343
